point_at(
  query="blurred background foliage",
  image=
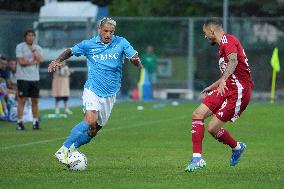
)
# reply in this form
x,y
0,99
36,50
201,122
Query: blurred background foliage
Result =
x,y
240,8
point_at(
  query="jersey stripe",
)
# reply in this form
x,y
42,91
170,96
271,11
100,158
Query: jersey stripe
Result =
x,y
239,100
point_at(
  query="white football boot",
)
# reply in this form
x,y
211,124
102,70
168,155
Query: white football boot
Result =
x,y
62,155
72,149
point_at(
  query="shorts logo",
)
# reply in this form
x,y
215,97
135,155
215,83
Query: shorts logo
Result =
x,y
220,114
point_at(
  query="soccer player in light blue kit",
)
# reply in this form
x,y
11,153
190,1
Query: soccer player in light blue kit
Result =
x,y
105,54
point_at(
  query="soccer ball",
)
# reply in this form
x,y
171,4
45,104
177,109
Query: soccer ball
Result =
x,y
77,161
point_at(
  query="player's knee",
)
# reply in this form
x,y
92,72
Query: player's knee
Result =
x,y
90,120
194,114
212,128
197,115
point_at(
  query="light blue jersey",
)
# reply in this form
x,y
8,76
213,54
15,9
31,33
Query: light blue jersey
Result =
x,y
104,63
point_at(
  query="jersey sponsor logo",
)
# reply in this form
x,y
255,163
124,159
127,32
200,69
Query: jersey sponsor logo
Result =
x,y
108,56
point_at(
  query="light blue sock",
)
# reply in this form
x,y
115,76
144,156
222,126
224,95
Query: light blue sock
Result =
x,y
78,135
83,139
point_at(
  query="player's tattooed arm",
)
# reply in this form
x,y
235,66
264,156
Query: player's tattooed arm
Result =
x,y
136,61
64,56
55,64
232,64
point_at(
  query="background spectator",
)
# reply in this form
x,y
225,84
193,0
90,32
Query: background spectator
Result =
x,y
3,99
12,80
61,87
149,61
7,88
4,72
29,56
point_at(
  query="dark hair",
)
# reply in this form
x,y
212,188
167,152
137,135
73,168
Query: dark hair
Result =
x,y
29,31
11,59
2,57
213,21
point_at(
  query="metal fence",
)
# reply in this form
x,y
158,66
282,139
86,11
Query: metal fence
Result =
x,y
185,59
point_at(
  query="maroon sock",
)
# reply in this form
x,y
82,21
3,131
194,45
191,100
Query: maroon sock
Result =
x,y
224,136
197,135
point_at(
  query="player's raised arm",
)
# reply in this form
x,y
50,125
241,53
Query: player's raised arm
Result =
x,y
57,62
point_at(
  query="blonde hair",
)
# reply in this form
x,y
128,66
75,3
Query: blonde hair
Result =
x,y
107,20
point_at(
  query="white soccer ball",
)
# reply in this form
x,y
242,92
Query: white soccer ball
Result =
x,y
77,161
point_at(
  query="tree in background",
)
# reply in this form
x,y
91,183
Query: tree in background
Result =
x,y
247,8
167,7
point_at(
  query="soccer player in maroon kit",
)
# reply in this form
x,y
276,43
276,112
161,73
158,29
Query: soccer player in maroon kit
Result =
x,y
225,99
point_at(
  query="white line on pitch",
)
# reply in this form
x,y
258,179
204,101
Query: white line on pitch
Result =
x,y
30,143
105,130
145,123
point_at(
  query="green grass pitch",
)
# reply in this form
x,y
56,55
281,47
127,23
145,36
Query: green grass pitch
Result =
x,y
146,149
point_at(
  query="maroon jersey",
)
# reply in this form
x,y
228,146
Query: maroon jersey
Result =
x,y
229,106
241,76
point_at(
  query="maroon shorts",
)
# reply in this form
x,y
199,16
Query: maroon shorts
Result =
x,y
229,106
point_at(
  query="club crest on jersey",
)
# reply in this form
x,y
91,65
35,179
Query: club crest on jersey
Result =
x,y
115,46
